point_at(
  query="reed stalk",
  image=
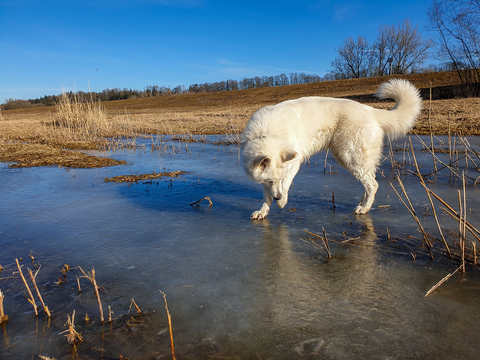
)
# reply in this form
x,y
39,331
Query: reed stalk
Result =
x,y
210,203
3,317
461,236
449,142
78,284
431,132
91,277
464,225
32,299
327,246
45,307
169,319
139,312
324,240
452,171
73,337
456,216
412,212
430,200
436,286
474,249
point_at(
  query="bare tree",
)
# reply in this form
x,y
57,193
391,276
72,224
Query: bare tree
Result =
x,y
398,49
401,47
354,58
457,25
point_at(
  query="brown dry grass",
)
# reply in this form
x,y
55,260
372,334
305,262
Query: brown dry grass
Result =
x,y
46,132
30,155
143,177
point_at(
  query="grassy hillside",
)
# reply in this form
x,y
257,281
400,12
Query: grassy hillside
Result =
x,y
264,96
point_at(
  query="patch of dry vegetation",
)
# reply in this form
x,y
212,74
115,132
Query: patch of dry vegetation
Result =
x,y
30,155
45,142
52,132
143,177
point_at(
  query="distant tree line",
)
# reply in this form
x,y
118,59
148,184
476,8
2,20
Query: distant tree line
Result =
x,y
154,90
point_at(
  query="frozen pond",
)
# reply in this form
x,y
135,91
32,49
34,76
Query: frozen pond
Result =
x,y
236,288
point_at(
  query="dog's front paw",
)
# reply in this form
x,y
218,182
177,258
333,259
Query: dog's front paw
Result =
x,y
257,215
359,210
282,202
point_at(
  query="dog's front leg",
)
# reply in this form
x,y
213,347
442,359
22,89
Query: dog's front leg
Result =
x,y
263,212
287,182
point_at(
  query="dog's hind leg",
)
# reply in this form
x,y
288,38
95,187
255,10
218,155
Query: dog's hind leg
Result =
x,y
263,212
371,186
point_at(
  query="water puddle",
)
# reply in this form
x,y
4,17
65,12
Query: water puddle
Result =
x,y
235,288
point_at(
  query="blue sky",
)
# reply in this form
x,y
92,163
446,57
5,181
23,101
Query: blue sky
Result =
x,y
46,45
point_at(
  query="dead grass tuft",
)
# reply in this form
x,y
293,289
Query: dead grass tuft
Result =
x,y
31,155
135,178
87,120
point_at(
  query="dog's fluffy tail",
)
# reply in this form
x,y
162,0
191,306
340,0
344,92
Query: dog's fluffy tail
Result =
x,y
398,121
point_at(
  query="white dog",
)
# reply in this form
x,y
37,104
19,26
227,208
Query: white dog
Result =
x,y
278,138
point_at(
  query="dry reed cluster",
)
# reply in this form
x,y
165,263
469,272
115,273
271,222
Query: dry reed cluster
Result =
x,y
462,165
465,253
86,119
72,335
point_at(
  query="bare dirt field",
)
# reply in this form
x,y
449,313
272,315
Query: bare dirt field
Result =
x,y
47,135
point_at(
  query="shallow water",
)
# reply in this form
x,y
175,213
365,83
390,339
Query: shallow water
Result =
x,y
235,288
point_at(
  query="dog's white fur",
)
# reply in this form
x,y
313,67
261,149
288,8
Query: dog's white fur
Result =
x,y
278,138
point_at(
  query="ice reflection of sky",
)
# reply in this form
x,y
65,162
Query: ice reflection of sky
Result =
x,y
235,287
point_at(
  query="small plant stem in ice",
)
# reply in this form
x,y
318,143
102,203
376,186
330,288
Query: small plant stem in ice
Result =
x,y
139,312
442,281
169,318
45,307
73,337
412,212
32,299
199,201
430,200
3,317
324,240
91,277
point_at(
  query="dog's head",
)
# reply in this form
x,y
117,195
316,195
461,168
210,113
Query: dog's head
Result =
x,y
270,171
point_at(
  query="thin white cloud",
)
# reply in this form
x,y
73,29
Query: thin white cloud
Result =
x,y
344,11
225,62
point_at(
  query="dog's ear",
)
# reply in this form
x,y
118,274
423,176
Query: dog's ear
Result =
x,y
261,162
288,155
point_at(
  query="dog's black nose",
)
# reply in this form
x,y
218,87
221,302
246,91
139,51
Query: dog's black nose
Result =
x,y
279,197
